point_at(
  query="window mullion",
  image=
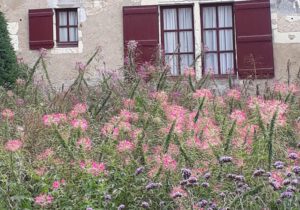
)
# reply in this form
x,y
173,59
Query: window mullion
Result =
x,y
178,41
218,39
68,24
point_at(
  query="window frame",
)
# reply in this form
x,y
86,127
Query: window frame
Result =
x,y
217,29
68,26
177,31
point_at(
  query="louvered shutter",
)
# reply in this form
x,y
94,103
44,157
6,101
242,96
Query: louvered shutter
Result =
x,y
140,23
41,29
254,39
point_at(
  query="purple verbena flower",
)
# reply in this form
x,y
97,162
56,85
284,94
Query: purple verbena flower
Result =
x,y
139,170
186,173
258,172
225,159
145,205
296,170
293,156
286,194
205,184
122,206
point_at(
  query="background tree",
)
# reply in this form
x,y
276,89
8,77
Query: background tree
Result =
x,y
9,70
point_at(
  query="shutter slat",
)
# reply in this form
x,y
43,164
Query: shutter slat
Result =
x,y
254,39
40,29
140,23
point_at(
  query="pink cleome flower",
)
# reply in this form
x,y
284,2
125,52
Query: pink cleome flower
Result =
x,y
7,114
128,103
13,145
125,146
203,93
84,143
45,154
169,163
189,72
55,185
239,116
80,108
234,94
80,123
54,119
43,200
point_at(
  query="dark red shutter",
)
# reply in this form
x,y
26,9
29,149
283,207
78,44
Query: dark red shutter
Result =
x,y
41,29
140,23
254,39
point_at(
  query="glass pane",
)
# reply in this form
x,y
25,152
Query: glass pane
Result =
x,y
171,60
226,39
226,63
170,20
211,63
210,40
73,18
225,16
63,18
185,18
186,41
73,34
209,17
185,61
170,42
63,34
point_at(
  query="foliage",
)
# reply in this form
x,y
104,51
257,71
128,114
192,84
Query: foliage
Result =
x,y
9,68
151,143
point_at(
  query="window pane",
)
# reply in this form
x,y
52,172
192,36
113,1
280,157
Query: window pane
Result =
x,y
185,18
63,18
170,42
209,17
211,63
210,40
226,39
225,16
73,18
170,19
73,34
185,61
226,63
63,34
171,60
186,41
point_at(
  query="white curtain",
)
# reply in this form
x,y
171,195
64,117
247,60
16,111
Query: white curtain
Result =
x,y
73,18
170,19
210,40
185,18
172,61
209,17
186,42
63,18
185,61
226,63
211,63
226,39
63,34
225,16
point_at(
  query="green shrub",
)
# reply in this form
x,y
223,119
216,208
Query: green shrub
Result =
x,y
9,70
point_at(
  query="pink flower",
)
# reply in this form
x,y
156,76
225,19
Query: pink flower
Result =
x,y
54,119
8,114
40,171
80,108
56,185
128,103
84,143
162,96
189,72
45,154
234,94
125,146
169,163
96,168
43,200
80,123
239,116
13,145
203,93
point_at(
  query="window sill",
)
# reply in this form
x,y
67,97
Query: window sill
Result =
x,y
67,45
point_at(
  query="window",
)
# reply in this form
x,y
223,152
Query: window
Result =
x,y
218,39
178,37
67,27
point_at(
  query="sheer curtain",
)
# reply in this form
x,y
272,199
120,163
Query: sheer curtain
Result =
x,y
210,39
225,39
179,41
63,21
73,32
